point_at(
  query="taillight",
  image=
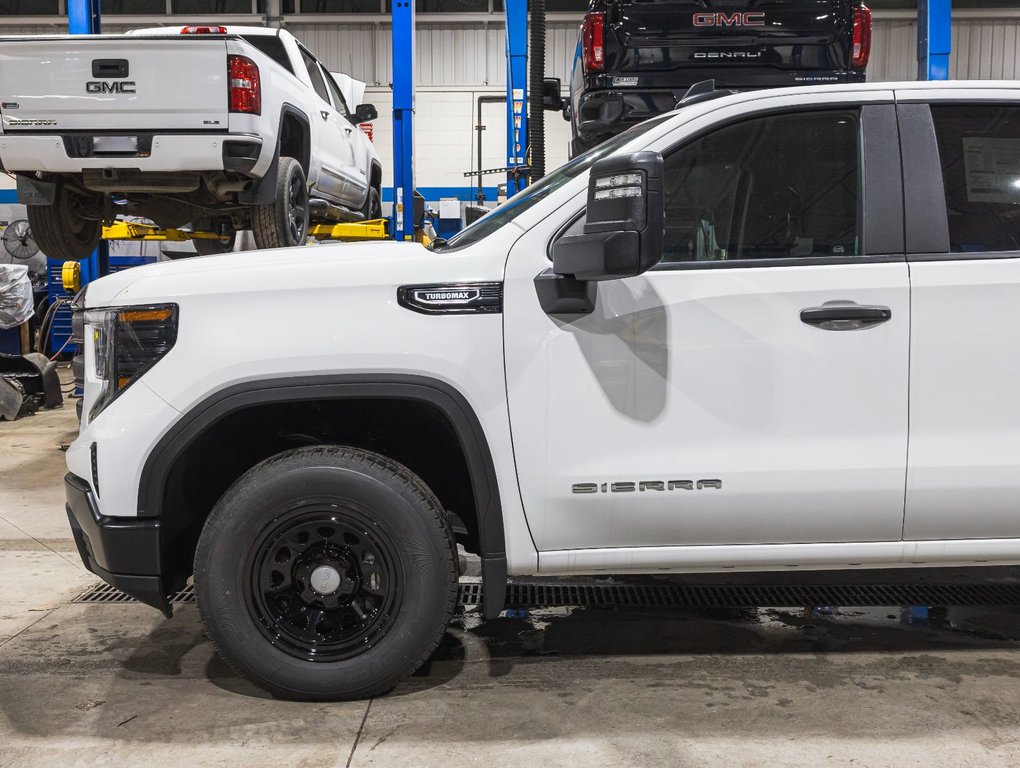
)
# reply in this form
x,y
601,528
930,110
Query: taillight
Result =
x,y
593,41
245,88
203,30
862,38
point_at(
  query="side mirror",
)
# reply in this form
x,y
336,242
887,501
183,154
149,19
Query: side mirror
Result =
x,y
623,232
551,98
365,113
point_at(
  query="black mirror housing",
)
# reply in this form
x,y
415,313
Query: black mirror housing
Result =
x,y
551,98
365,113
623,233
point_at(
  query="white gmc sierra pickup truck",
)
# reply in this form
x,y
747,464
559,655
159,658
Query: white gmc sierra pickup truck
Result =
x,y
768,333
220,128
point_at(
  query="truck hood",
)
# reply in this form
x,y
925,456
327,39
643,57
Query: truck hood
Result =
x,y
310,267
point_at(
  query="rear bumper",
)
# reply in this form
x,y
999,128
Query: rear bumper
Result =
x,y
604,113
123,552
165,153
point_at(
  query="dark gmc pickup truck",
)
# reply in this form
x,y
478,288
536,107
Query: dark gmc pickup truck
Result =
x,y
636,58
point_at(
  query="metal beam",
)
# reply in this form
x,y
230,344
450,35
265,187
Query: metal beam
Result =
x,y
934,39
403,119
516,92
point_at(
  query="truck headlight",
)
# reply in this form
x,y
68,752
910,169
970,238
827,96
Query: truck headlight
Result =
x,y
126,342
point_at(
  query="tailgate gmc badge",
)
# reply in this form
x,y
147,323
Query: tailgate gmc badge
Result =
x,y
737,19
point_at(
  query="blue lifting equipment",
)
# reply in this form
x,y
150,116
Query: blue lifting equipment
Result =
x,y
403,120
516,94
934,39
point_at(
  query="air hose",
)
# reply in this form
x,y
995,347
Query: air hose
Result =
x,y
536,77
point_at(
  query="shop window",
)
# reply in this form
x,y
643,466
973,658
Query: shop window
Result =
x,y
29,8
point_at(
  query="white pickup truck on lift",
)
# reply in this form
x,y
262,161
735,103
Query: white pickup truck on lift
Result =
x,y
219,128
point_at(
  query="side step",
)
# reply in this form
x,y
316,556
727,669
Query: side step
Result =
x,y
613,595
323,210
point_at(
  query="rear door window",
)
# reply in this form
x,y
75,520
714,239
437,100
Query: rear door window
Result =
x,y
979,150
316,76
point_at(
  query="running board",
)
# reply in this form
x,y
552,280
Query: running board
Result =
x,y
550,594
323,210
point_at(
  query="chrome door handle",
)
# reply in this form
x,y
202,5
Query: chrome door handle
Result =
x,y
845,317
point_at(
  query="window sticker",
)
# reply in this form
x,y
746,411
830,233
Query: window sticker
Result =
x,y
993,170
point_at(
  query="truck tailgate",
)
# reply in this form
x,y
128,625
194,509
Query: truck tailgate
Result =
x,y
113,83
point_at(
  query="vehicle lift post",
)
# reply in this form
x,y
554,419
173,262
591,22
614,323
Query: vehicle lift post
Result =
x,y
403,120
934,39
516,94
83,18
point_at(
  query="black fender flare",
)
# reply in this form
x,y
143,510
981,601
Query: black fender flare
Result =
x,y
462,418
263,191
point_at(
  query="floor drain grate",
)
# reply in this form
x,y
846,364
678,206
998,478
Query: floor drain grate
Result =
x,y
602,595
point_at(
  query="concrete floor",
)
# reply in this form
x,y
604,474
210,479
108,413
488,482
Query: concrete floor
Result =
x,y
84,685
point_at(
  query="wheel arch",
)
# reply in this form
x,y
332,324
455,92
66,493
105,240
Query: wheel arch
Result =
x,y
159,473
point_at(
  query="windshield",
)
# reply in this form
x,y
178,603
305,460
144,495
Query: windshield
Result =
x,y
545,186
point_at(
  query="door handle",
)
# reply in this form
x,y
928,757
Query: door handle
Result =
x,y
845,317
348,131
324,113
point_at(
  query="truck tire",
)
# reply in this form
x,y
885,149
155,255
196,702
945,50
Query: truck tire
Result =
x,y
373,204
61,230
284,222
326,573
214,247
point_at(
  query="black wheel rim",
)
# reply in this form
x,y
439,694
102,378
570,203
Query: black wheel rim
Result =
x,y
324,582
78,225
297,208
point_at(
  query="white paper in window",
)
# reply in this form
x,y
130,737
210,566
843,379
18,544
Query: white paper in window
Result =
x,y
993,170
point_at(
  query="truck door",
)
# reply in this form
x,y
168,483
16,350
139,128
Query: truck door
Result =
x,y
962,166
327,140
750,389
355,153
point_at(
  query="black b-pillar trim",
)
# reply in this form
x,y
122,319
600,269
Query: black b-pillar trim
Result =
x,y
449,401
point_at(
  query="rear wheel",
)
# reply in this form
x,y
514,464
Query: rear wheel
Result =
x,y
373,204
67,230
326,573
206,247
284,222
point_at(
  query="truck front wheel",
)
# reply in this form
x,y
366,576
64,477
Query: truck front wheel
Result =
x,y
284,222
326,573
67,230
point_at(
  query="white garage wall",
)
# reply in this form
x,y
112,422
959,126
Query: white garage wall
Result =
x,y
460,59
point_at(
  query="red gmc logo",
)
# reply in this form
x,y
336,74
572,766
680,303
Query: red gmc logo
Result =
x,y
749,19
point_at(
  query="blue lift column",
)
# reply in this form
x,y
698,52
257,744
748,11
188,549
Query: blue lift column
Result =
x,y
83,18
934,39
403,120
516,90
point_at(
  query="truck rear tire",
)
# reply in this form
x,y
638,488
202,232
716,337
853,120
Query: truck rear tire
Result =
x,y
284,222
62,230
214,247
373,204
326,573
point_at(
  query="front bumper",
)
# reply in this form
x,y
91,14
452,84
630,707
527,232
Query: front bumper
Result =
x,y
124,553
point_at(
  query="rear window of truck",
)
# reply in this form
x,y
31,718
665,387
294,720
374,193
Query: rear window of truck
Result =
x,y
272,46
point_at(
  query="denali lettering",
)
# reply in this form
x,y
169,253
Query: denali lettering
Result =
x,y
737,19
101,86
647,485
727,55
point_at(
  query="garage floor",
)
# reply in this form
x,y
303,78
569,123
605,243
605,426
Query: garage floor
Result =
x,y
117,685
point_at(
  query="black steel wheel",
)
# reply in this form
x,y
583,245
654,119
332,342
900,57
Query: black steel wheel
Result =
x,y
325,582
284,222
326,573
